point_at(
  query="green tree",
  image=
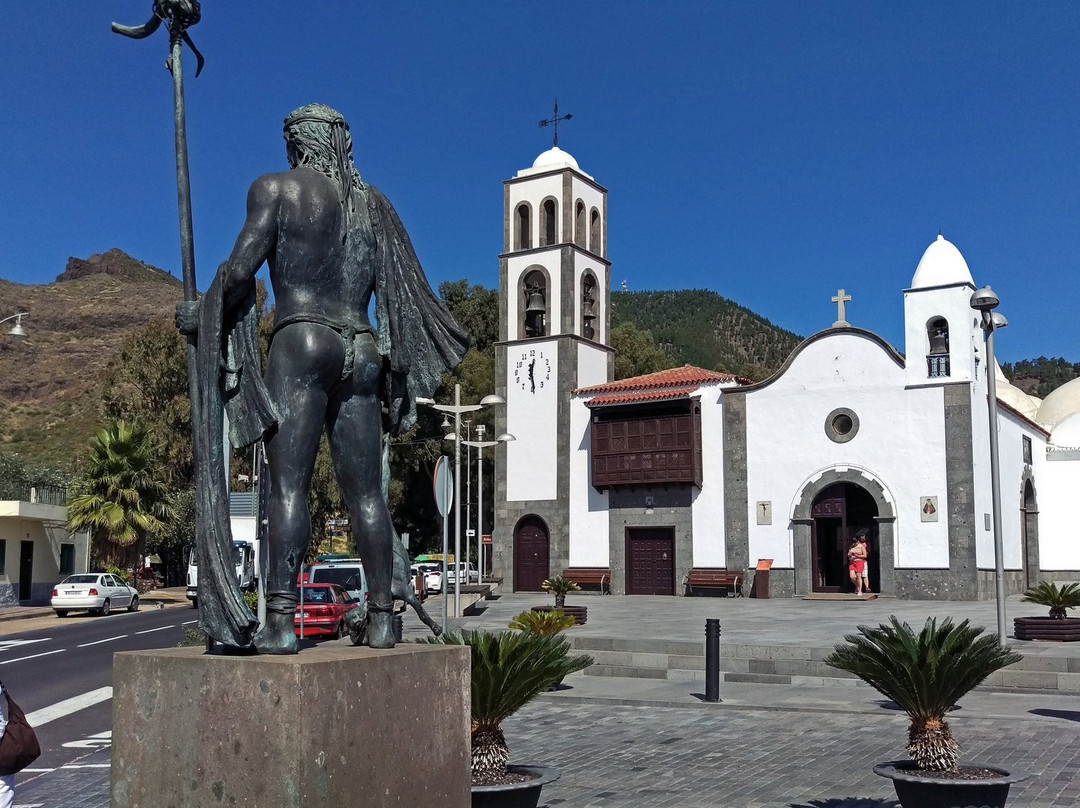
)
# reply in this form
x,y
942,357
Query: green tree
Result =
x,y
124,498
636,352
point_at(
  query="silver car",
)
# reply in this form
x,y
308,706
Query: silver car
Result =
x,y
97,592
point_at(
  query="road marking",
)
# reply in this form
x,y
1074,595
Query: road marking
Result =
x,y
189,622
86,766
152,630
33,656
68,706
99,741
6,644
99,642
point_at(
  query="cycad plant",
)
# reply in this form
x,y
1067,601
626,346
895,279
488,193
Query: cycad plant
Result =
x,y
1058,599
542,622
925,674
508,671
559,586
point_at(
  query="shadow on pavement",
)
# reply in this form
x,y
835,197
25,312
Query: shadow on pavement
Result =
x,y
1068,715
848,802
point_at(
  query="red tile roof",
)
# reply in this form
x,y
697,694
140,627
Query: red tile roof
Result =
x,y
663,382
669,394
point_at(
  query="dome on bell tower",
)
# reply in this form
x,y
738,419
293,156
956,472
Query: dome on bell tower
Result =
x,y
941,265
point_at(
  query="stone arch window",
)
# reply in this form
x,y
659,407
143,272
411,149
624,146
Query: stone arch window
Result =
x,y
937,337
523,227
549,212
590,312
580,234
534,295
594,232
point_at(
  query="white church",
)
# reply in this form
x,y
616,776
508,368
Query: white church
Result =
x,y
639,481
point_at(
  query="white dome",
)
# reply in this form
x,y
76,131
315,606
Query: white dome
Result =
x,y
941,265
1060,404
555,158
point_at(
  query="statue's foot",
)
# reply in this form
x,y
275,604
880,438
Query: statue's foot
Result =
x,y
380,629
356,623
277,636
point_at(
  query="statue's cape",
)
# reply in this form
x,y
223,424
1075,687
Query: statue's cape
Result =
x,y
229,370
417,337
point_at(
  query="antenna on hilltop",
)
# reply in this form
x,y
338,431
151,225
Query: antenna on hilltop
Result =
x,y
624,286
554,121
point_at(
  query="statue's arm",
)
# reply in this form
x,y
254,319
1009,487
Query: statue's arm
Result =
x,y
256,242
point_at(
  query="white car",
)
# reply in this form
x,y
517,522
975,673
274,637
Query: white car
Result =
x,y
432,573
97,592
470,577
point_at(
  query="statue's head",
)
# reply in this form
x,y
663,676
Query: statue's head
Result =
x,y
318,137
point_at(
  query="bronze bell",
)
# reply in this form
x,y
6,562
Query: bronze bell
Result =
x,y
939,341
535,303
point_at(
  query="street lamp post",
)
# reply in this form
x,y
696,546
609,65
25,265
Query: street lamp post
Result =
x,y
17,332
457,409
480,445
985,301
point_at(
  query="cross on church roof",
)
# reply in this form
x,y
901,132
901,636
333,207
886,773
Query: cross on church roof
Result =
x,y
840,299
554,121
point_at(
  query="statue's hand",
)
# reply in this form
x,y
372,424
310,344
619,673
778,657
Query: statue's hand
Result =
x,y
187,317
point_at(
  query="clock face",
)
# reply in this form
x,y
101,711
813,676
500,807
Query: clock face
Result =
x,y
532,371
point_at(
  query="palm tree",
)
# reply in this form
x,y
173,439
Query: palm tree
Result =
x,y
508,671
559,586
1058,599
125,499
925,674
542,622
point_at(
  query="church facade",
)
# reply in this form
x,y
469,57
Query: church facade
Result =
x,y
646,479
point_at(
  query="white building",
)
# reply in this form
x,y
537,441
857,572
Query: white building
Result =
x,y
648,478
36,550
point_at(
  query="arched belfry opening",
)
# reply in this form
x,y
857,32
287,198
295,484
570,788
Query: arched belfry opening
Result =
x,y
535,295
549,219
937,338
581,234
523,227
838,513
589,306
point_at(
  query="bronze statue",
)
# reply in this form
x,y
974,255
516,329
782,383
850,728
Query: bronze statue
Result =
x,y
330,242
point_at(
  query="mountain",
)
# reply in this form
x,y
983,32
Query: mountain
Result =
x,y
49,382
700,327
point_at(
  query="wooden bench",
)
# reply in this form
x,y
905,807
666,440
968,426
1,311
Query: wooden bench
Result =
x,y
714,578
599,577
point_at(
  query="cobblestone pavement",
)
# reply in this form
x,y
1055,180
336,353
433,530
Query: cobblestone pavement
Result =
x,y
712,755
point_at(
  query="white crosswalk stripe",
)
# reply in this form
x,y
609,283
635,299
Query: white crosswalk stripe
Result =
x,y
68,706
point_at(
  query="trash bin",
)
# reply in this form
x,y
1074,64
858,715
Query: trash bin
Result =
x,y
761,578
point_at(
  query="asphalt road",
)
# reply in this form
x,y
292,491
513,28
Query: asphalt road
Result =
x,y
61,676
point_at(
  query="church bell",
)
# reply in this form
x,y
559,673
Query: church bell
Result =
x,y
535,304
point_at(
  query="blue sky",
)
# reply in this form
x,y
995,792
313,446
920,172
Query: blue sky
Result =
x,y
772,152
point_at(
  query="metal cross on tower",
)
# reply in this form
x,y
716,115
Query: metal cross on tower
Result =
x,y
554,121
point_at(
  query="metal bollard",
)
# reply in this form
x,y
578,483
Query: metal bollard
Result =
x,y
712,659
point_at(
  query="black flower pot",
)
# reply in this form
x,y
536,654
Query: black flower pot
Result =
x,y
917,791
515,795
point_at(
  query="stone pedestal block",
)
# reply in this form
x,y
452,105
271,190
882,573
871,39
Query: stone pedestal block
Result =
x,y
334,725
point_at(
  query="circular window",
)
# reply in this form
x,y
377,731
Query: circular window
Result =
x,y
841,425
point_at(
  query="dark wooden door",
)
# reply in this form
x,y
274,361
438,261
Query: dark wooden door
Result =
x,y
26,570
531,549
829,540
650,561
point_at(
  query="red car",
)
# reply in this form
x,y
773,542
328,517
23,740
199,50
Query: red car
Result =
x,y
323,608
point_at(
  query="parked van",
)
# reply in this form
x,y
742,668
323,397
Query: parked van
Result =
x,y
348,573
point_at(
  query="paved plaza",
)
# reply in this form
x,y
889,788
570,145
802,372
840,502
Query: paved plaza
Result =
x,y
636,742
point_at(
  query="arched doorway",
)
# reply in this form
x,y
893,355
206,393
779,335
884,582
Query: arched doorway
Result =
x,y
531,552
836,514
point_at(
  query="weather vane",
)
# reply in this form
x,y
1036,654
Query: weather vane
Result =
x,y
554,121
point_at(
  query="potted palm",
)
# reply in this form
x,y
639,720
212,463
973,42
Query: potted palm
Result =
x,y
508,671
1058,625
559,586
926,674
543,623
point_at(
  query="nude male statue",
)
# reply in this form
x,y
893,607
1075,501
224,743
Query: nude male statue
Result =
x,y
330,243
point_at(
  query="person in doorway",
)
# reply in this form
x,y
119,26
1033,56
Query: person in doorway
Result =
x,y
857,554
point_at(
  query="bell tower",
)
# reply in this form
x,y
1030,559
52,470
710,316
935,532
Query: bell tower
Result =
x,y
554,327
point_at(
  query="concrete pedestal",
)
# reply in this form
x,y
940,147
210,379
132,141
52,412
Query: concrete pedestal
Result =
x,y
334,725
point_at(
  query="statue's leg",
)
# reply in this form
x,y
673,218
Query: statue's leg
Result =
x,y
299,371
354,426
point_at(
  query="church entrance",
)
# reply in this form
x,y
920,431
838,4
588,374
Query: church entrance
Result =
x,y
838,513
531,551
650,561
1029,529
